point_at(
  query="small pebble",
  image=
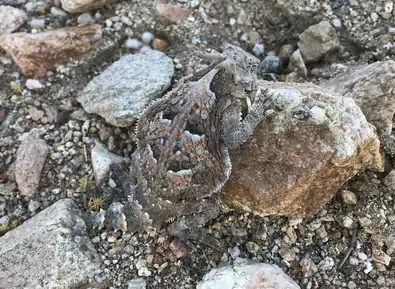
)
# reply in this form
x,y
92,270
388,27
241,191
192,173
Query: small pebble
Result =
x,y
33,206
147,37
258,49
85,18
347,222
234,252
348,197
232,21
57,12
108,22
271,64
252,247
30,6
37,23
138,283
132,43
159,44
33,84
337,23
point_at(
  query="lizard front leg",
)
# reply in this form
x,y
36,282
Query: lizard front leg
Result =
x,y
235,131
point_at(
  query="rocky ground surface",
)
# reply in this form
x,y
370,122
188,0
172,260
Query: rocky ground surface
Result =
x,y
67,69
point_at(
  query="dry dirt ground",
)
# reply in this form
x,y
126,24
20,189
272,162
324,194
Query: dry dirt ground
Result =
x,y
321,240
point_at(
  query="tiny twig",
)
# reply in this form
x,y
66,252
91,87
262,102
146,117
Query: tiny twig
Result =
x,y
350,247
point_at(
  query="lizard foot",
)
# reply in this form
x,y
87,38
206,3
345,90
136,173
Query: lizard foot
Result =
x,y
188,228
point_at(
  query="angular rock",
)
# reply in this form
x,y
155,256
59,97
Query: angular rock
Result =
x,y
299,157
296,64
245,275
30,160
101,161
372,88
317,41
12,2
36,53
75,6
172,13
11,19
124,89
50,250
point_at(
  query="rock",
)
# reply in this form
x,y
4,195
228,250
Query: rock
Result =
x,y
124,89
296,64
11,19
172,13
57,12
348,197
389,180
50,250
178,248
132,43
30,159
317,41
297,159
37,23
33,84
159,44
138,283
380,257
372,88
12,2
101,161
85,18
286,52
271,64
245,274
55,47
147,37
75,6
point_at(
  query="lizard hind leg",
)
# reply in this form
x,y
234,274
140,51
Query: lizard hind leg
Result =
x,y
189,227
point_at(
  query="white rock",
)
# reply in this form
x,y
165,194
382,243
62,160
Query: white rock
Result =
x,y
147,37
132,43
245,275
33,84
101,161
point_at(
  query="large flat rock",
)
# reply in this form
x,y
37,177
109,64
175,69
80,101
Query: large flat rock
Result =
x,y
49,251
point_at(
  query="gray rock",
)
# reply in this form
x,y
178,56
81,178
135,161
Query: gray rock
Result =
x,y
271,64
138,283
37,23
124,89
147,37
101,161
57,12
85,18
50,250
132,43
296,64
11,19
317,41
245,274
12,2
30,159
372,88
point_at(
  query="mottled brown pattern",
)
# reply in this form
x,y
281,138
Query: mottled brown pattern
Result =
x,y
182,142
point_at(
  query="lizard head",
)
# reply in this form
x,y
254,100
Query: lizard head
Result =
x,y
244,65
